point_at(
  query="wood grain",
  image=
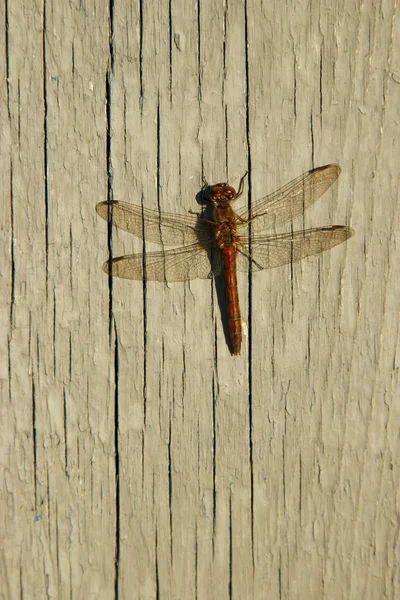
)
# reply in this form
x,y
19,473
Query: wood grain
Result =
x,y
138,458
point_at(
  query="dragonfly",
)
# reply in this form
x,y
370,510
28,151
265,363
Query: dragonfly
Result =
x,y
229,241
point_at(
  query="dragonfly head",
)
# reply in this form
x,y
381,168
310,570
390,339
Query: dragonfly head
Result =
x,y
222,193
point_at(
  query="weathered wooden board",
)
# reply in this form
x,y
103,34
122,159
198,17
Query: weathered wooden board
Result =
x,y
138,458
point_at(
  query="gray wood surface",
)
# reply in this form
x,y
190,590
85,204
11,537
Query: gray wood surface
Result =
x,y
138,458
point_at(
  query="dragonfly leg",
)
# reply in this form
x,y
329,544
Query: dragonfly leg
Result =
x,y
208,221
202,219
248,220
205,183
241,186
249,257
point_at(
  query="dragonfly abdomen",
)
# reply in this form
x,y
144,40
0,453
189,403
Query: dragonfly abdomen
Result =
x,y
232,299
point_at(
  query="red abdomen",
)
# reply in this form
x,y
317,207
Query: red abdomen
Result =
x,y
232,297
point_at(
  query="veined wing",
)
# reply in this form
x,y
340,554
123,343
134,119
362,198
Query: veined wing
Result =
x,y
291,200
158,227
178,264
272,251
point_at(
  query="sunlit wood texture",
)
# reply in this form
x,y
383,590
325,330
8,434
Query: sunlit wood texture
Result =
x,y
138,458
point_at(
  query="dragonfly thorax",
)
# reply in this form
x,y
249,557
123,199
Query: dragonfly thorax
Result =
x,y
226,231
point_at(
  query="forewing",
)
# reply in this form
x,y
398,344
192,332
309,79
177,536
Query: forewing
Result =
x,y
154,226
179,264
273,251
292,200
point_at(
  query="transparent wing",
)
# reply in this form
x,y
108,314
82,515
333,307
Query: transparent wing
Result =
x,y
159,227
179,264
272,251
291,200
